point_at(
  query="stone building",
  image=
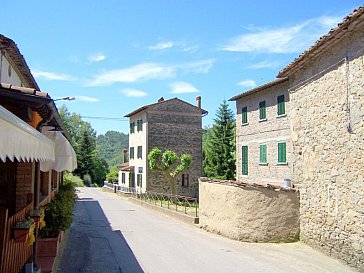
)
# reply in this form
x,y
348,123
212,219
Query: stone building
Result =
x,y
169,125
263,138
327,124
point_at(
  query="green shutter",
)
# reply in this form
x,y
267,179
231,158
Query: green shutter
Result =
x,y
244,150
263,154
262,111
280,105
244,115
282,152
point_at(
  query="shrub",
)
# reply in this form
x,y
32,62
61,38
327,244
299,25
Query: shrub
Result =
x,y
87,180
58,213
73,179
112,176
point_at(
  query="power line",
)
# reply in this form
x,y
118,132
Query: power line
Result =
x,y
106,118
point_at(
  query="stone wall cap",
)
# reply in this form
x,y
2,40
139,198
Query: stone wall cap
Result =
x,y
235,183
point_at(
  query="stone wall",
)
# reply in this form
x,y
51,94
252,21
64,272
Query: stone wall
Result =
x,y
25,175
327,121
249,213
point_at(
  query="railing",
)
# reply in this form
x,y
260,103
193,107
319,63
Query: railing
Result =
x,y
13,255
185,204
119,188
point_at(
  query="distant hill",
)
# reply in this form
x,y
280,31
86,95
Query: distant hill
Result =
x,y
110,147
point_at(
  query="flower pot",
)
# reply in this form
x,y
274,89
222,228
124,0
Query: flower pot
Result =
x,y
21,235
48,247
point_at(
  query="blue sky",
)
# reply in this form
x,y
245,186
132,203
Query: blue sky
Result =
x,y
115,56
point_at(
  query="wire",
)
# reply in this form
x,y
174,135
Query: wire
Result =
x,y
106,118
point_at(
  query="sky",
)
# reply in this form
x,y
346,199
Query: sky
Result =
x,y
115,56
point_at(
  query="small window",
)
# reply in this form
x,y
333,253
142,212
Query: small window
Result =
x,y
131,153
244,157
140,125
244,115
123,178
132,129
139,180
262,111
139,152
282,152
185,180
263,154
280,106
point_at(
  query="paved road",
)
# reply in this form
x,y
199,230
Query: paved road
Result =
x,y
109,234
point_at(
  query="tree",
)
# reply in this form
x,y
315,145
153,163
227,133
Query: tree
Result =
x,y
170,164
219,145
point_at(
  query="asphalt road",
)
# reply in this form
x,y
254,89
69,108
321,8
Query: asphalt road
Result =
x,y
110,234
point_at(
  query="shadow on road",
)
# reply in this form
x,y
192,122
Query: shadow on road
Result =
x,y
93,246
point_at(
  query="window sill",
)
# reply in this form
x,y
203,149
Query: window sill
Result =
x,y
282,163
262,120
263,164
282,116
245,124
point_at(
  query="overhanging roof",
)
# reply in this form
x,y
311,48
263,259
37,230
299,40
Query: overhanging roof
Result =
x,y
21,141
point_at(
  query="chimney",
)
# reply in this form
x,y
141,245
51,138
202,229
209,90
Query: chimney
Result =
x,y
198,101
125,155
161,99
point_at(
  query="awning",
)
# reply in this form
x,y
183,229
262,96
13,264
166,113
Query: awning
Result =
x,y
65,156
21,141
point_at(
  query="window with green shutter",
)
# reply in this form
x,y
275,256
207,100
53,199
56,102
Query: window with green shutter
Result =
x,y
139,151
140,125
263,154
131,152
282,152
132,125
280,105
244,115
262,111
139,180
244,159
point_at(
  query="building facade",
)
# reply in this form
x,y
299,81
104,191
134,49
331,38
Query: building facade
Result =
x,y
327,123
169,125
263,139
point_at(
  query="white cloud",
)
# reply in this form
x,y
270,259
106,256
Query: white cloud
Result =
x,y
290,39
129,92
162,45
149,71
247,83
96,57
182,88
87,99
52,76
265,64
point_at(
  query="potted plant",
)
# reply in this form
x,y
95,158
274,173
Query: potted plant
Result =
x,y
38,216
24,230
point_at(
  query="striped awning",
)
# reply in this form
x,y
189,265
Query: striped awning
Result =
x,y
19,140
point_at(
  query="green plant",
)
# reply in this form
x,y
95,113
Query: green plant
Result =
x,y
87,180
112,176
36,212
58,213
24,224
70,178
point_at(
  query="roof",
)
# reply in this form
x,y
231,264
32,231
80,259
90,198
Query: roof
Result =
x,y
37,100
259,88
10,48
126,168
356,17
145,107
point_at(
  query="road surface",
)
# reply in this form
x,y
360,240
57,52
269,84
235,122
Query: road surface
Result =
x,y
110,234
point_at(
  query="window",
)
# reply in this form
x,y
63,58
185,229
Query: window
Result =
x,y
139,180
140,125
262,111
123,178
132,125
282,152
139,152
263,154
185,180
244,157
244,115
131,153
132,180
280,106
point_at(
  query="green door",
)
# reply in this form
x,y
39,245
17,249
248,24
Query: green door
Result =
x,y
244,150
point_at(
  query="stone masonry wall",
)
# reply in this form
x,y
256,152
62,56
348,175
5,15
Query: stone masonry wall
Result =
x,y
327,121
270,131
25,173
176,126
249,213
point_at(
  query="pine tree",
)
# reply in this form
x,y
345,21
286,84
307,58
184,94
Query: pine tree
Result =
x,y
219,145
